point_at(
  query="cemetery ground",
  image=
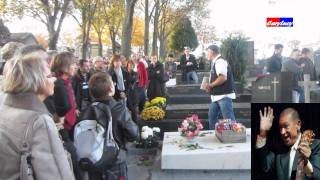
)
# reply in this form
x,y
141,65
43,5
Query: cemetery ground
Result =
x,y
184,100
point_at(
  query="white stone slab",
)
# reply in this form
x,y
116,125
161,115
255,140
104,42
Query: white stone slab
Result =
x,y
216,156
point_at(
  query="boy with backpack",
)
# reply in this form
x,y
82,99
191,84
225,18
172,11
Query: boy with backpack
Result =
x,y
102,153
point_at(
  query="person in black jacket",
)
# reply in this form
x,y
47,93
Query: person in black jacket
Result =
x,y
80,85
156,86
124,129
119,77
307,64
131,84
275,61
189,66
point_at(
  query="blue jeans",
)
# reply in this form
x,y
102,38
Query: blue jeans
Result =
x,y
140,97
192,77
222,109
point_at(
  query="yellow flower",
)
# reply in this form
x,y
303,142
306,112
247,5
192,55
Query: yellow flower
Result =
x,y
147,104
152,113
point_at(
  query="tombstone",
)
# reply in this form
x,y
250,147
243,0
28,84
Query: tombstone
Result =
x,y
307,85
213,156
273,88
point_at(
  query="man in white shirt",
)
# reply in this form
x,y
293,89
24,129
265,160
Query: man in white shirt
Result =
x,y
285,165
220,87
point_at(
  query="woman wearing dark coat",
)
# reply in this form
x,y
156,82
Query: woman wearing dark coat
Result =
x,y
156,86
131,84
119,77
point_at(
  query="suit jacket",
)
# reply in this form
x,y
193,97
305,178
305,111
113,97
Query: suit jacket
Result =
x,y
77,84
279,163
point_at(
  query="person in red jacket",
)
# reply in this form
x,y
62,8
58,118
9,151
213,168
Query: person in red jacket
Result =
x,y
141,68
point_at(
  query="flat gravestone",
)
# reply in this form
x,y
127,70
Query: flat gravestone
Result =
x,y
273,88
214,156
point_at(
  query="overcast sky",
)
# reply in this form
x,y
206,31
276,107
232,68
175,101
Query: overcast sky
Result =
x,y
248,16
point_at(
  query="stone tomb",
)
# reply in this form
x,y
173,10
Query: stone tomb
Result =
x,y
308,86
214,156
273,88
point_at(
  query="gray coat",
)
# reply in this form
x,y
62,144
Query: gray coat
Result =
x,y
48,157
293,67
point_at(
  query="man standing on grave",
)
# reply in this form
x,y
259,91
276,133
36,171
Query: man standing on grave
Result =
x,y
189,66
307,64
285,165
220,87
275,61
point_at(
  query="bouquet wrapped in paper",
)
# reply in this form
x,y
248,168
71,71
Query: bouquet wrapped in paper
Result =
x,y
229,131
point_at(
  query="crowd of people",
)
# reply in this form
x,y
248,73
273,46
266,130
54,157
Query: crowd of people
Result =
x,y
45,94
299,63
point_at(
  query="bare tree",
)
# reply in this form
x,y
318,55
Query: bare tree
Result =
x,y
50,12
86,9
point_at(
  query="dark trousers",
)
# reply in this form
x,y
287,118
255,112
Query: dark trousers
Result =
x,y
116,172
69,146
141,97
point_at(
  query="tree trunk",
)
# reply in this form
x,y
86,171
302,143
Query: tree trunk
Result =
x,y
113,40
127,28
163,50
52,34
84,41
54,22
155,29
146,28
100,44
53,39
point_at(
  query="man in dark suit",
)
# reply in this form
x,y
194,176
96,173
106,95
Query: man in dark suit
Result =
x,y
285,165
189,66
275,61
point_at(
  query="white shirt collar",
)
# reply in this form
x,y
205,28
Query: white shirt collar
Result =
x,y
296,144
214,60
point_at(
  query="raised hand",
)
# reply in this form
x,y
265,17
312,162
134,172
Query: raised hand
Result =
x,y
266,119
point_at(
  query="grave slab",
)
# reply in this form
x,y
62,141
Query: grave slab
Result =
x,y
215,156
273,88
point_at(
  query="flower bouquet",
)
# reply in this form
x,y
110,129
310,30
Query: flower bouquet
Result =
x,y
190,127
152,113
229,131
149,137
158,101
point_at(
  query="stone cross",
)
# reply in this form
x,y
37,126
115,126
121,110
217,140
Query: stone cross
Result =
x,y
275,82
307,84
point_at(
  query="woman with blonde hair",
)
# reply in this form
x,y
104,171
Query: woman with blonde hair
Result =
x,y
29,142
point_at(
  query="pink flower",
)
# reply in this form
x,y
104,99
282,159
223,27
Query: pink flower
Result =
x,y
195,117
190,134
199,126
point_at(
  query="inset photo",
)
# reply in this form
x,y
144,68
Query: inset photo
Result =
x,y
285,141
